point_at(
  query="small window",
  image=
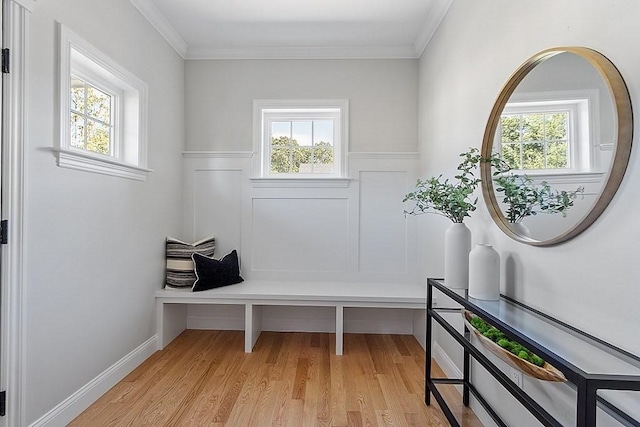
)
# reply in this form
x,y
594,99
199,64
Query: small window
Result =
x,y
301,145
547,136
102,112
536,140
300,139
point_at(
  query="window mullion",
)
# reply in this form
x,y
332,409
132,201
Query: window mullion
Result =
x,y
545,140
93,119
520,142
313,147
115,149
290,147
85,114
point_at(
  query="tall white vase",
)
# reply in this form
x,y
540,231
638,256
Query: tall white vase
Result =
x,y
457,245
484,273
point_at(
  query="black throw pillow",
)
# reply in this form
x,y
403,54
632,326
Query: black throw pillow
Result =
x,y
212,273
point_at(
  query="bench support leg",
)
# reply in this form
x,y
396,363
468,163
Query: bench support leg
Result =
x,y
171,321
252,326
339,329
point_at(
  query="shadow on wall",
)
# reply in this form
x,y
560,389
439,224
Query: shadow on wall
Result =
x,y
512,264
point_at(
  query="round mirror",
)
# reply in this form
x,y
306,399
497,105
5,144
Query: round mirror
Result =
x,y
561,129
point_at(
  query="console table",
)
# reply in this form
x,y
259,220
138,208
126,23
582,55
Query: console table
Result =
x,y
587,362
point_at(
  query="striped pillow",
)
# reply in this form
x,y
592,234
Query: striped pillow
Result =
x,y
180,269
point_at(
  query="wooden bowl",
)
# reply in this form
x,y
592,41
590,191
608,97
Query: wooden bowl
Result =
x,y
546,372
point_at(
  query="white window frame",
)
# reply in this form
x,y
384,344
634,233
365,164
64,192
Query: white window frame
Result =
x,y
583,124
128,158
266,111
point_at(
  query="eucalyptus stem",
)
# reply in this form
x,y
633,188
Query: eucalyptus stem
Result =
x,y
521,196
451,199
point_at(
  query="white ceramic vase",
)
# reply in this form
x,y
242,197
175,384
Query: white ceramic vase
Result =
x,y
520,229
484,273
457,245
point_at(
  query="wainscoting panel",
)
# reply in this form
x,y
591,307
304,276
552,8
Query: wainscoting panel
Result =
x,y
216,186
217,207
383,228
352,232
300,234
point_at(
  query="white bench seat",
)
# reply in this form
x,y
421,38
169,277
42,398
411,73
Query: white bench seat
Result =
x,y
171,304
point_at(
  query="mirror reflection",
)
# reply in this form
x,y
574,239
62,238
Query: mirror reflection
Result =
x,y
557,135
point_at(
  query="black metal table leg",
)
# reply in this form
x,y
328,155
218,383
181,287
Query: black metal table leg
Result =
x,y
586,404
427,370
466,377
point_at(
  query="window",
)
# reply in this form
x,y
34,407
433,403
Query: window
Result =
x,y
544,136
102,112
301,145
300,138
91,119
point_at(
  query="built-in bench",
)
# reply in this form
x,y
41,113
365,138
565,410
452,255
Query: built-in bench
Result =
x,y
171,304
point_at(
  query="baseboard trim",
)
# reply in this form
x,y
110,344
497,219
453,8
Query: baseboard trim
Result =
x,y
75,404
444,361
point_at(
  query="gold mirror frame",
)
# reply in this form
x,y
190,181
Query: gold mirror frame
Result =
x,y
622,101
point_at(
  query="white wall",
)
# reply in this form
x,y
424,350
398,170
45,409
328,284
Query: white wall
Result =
x,y
351,233
591,281
382,95
95,243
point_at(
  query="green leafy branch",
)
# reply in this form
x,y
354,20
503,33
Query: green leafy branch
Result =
x,y
523,197
451,199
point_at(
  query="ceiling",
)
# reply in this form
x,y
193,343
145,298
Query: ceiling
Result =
x,y
214,29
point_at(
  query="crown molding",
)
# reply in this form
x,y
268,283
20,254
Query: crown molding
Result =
x,y
146,7
160,23
290,52
435,16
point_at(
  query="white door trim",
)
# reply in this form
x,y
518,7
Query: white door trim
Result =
x,y
14,127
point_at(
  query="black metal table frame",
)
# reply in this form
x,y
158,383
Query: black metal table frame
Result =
x,y
586,384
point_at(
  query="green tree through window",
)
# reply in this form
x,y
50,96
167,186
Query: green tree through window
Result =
x,y
535,140
287,156
303,146
91,117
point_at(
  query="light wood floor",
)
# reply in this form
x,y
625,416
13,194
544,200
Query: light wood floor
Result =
x,y
204,378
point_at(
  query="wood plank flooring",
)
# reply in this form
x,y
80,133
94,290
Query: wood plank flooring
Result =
x,y
204,378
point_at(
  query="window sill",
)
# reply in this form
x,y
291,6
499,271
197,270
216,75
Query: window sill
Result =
x,y
74,159
564,177
300,182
